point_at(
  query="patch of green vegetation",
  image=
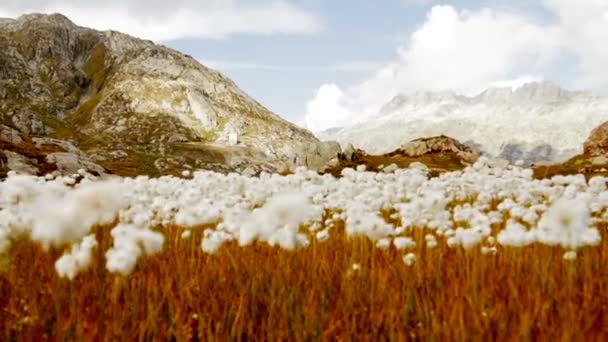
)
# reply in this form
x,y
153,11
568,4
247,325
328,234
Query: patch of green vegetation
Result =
x,y
82,115
95,67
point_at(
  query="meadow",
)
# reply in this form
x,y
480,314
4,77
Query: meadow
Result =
x,y
479,254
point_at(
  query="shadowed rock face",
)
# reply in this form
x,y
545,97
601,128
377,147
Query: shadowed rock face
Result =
x,y
597,143
126,101
519,152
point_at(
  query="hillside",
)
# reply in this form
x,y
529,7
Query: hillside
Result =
x,y
135,107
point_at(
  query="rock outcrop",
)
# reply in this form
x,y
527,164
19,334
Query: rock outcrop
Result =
x,y
434,156
440,144
39,156
597,143
131,104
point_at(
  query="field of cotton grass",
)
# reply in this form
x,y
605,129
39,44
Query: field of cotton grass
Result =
x,y
480,254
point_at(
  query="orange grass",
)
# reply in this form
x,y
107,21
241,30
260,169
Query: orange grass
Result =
x,y
264,293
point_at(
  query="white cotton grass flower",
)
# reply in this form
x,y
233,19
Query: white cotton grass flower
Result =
x,y
186,173
431,241
77,259
515,235
409,259
129,243
570,255
213,240
322,235
186,234
279,220
355,267
403,243
567,223
59,217
489,250
383,243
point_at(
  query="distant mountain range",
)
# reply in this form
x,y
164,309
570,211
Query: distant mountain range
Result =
x,y
131,106
535,122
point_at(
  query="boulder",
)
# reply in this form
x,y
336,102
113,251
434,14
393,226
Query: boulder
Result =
x,y
69,163
347,153
597,143
439,144
20,164
316,156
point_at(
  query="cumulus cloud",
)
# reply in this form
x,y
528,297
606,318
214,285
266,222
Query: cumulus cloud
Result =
x,y
469,50
326,109
168,20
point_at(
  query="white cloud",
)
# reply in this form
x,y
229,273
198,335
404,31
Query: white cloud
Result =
x,y
325,110
168,20
469,50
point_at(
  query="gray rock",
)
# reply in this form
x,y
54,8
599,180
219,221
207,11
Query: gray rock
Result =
x,y
439,144
498,163
415,149
316,155
348,152
10,135
69,163
20,164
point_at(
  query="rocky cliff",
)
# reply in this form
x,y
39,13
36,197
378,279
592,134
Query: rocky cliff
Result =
x,y
135,107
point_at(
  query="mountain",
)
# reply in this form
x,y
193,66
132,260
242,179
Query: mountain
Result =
x,y
328,133
134,107
536,122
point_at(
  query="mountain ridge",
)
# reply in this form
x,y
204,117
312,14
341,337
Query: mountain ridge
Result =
x,y
538,121
127,102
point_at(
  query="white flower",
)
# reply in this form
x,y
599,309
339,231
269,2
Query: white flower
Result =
x,y
383,243
567,223
488,250
403,243
570,255
409,259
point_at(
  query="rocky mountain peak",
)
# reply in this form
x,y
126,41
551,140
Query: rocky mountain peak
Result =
x,y
421,98
543,91
54,19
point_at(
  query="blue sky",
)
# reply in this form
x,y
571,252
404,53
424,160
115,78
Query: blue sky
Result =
x,y
284,71
327,63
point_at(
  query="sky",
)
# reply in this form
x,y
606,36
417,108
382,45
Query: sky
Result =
x,y
329,63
